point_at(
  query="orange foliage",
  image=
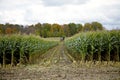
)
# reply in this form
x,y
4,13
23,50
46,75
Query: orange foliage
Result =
x,y
8,31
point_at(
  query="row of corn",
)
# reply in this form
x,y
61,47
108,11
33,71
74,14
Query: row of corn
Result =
x,y
100,46
16,49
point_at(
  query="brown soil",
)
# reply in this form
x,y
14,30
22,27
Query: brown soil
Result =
x,y
57,64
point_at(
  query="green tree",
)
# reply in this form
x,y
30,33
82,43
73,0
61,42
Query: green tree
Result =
x,y
87,27
79,27
38,29
46,29
96,26
72,28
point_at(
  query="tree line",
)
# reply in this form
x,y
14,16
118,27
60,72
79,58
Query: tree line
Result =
x,y
50,30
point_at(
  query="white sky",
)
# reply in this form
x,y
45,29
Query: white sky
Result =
x,y
26,12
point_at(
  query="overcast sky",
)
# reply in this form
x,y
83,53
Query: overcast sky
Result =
x,y
26,12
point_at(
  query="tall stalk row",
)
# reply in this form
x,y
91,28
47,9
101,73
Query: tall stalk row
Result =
x,y
100,46
16,49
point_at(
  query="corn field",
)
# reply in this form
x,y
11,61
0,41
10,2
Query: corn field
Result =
x,y
98,46
21,49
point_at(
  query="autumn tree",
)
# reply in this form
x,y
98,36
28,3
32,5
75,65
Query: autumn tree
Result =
x,y
66,30
29,29
56,29
50,30
8,31
62,33
1,29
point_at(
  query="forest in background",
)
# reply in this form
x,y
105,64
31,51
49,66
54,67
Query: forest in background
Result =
x,y
50,30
